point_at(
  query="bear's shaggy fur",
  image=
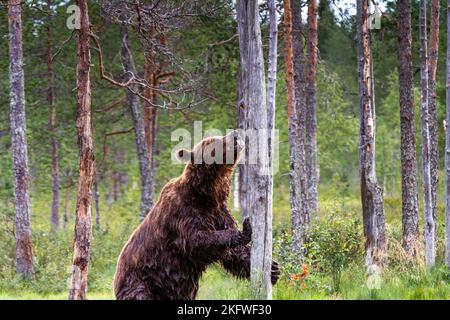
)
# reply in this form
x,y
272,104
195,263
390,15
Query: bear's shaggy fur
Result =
x,y
189,228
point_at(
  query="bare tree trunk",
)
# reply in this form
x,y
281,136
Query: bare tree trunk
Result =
x,y
22,208
447,146
83,224
432,111
298,45
54,216
241,94
296,106
271,90
371,193
139,128
429,232
258,173
312,169
410,206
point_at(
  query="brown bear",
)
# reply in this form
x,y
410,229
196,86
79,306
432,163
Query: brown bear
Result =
x,y
189,228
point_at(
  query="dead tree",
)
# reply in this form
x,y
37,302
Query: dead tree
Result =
x,y
371,193
22,208
271,91
83,224
258,174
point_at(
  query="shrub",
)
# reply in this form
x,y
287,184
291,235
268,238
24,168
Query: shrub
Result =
x,y
330,245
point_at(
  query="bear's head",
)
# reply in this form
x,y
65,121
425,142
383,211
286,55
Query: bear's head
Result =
x,y
211,162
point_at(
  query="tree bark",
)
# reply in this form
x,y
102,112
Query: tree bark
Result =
x,y
83,224
139,128
271,91
312,169
241,107
410,206
429,232
447,145
432,107
258,173
293,46
152,70
22,208
371,193
54,215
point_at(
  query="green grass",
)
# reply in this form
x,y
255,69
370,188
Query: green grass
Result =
x,y
54,253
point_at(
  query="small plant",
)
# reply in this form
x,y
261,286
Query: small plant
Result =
x,y
330,246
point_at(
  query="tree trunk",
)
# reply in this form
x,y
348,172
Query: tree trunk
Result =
x,y
295,94
410,206
312,169
299,62
371,193
271,91
83,224
429,232
22,208
432,110
139,128
150,113
54,215
258,173
447,146
242,109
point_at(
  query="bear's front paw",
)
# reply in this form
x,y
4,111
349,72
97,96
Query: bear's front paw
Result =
x,y
246,234
276,271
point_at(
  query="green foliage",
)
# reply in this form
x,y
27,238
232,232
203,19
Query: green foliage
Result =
x,y
330,246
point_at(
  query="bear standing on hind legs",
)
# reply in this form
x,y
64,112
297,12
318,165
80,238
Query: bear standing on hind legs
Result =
x,y
189,228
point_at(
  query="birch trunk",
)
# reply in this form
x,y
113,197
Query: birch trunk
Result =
x,y
432,107
83,224
429,232
22,208
139,129
258,174
410,206
54,215
312,169
371,193
447,145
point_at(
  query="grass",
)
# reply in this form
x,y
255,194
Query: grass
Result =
x,y
54,254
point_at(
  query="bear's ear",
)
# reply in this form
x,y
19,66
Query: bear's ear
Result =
x,y
184,156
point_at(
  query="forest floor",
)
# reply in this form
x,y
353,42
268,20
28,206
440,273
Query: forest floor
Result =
x,y
399,280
